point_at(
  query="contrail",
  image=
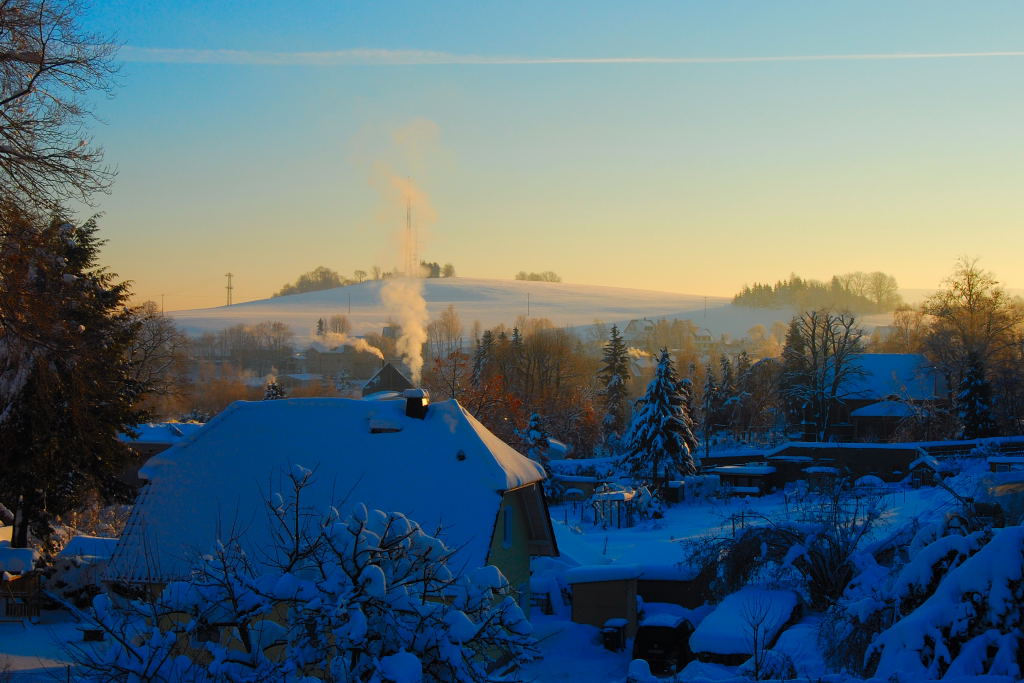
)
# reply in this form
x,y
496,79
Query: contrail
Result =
x,y
369,57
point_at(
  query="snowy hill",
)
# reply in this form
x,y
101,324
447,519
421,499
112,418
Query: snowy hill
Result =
x,y
490,302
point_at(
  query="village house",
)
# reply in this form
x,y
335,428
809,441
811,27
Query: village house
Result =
x,y
890,388
434,463
387,378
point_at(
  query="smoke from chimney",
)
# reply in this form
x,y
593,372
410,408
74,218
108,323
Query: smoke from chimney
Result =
x,y
335,339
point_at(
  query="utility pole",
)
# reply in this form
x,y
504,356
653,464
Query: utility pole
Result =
x,y
350,303
161,304
229,287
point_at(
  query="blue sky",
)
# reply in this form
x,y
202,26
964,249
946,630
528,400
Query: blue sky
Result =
x,y
693,177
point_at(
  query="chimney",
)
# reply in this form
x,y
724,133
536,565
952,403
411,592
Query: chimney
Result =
x,y
416,402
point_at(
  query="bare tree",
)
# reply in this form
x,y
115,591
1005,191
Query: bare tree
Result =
x,y
48,62
157,352
972,314
339,324
830,343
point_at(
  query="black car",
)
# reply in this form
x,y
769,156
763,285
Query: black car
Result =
x,y
663,640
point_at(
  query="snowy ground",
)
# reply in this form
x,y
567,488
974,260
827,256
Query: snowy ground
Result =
x,y
36,651
573,651
492,302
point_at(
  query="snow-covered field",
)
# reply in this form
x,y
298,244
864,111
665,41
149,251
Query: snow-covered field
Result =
x,y
491,302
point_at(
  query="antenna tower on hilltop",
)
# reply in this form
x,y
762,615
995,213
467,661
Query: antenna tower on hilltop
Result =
x,y
412,263
229,287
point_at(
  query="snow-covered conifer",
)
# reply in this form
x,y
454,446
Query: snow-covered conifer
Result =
x,y
274,391
657,445
974,401
614,375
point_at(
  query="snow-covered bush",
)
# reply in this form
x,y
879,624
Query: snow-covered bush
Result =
x,y
971,624
366,597
812,549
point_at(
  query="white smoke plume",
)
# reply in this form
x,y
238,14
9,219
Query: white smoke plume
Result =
x,y
403,297
336,339
405,200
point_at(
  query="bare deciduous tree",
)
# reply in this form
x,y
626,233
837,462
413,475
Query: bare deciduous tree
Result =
x,y
48,62
830,343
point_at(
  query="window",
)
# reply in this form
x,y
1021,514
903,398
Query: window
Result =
x,y
506,541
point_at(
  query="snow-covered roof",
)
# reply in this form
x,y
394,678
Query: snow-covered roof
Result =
x,y
16,559
445,470
931,463
748,469
907,375
89,546
884,409
603,572
728,630
821,469
162,432
1006,459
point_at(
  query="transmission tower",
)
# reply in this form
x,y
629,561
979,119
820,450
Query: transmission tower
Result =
x,y
412,265
229,287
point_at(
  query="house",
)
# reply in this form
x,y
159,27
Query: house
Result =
x,y
749,479
888,390
609,591
388,378
150,439
434,463
340,361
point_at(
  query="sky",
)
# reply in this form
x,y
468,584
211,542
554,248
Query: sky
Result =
x,y
681,146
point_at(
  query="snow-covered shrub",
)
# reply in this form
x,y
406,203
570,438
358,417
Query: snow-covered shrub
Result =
x,y
813,550
366,597
972,624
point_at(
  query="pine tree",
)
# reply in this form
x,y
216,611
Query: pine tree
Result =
x,y
740,414
686,393
274,391
614,374
795,374
974,401
657,447
66,390
726,393
321,327
535,440
708,407
482,357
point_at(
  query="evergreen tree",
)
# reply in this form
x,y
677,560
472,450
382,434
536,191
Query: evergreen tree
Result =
x,y
726,393
482,357
686,393
657,447
274,391
739,418
321,327
795,374
974,401
614,374
535,440
708,406
66,390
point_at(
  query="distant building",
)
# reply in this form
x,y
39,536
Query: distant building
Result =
x,y
388,378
